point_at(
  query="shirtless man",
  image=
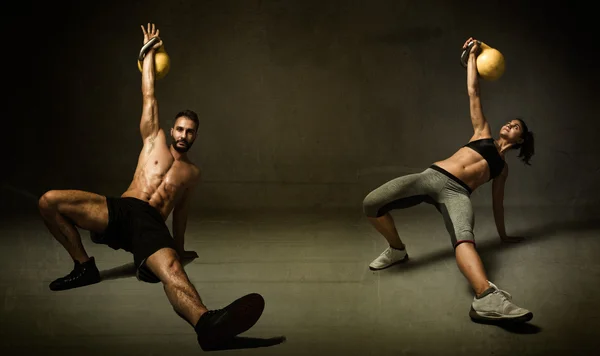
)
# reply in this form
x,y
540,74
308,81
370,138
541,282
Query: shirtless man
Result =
x,y
163,183
448,185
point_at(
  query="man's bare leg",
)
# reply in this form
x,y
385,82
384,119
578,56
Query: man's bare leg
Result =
x,y
213,327
470,265
386,227
65,210
179,290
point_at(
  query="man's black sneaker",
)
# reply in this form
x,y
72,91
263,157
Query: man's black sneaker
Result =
x,y
83,274
216,327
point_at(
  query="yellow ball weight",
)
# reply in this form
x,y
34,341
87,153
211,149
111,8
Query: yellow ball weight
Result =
x,y
490,63
162,63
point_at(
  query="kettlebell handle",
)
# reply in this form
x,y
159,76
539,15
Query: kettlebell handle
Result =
x,y
464,57
146,48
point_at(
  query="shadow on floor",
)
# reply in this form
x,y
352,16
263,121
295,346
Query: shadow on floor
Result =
x,y
515,328
488,253
488,249
128,270
532,235
240,342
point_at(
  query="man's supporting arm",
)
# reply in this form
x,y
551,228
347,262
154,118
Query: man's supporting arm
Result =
x,y
180,216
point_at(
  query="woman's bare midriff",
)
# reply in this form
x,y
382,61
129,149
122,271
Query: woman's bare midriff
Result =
x,y
468,166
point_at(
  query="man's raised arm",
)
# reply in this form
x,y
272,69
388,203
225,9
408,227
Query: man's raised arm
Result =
x,y
149,125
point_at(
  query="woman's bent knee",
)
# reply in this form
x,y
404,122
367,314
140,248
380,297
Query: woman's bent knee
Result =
x,y
370,206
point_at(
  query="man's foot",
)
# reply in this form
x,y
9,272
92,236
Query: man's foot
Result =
x,y
216,327
388,258
496,305
83,274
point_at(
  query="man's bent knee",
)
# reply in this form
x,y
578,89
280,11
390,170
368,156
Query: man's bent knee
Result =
x,y
165,264
48,201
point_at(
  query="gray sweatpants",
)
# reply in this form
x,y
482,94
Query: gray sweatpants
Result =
x,y
449,195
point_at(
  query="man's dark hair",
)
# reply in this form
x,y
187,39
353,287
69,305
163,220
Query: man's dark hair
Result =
x,y
188,114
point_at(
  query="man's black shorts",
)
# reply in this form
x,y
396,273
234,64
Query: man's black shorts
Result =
x,y
137,227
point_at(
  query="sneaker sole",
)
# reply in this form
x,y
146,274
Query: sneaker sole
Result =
x,y
390,265
69,286
499,317
60,289
244,313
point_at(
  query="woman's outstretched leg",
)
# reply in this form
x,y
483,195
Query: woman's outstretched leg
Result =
x,y
489,303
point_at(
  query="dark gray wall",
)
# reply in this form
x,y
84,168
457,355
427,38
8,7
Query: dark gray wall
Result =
x,y
302,103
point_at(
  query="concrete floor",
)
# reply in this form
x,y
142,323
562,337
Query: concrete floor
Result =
x,y
312,270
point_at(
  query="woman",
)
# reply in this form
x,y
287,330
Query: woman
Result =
x,y
447,185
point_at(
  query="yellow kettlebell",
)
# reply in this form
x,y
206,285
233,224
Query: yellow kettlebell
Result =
x,y
162,62
490,61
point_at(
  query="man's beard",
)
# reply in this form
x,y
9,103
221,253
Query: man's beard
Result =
x,y
179,148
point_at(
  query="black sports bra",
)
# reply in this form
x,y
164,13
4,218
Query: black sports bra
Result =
x,y
487,148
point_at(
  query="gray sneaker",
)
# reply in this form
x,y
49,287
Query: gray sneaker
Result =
x,y
497,305
389,257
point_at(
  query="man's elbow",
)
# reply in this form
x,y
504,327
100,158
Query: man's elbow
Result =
x,y
148,97
478,119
